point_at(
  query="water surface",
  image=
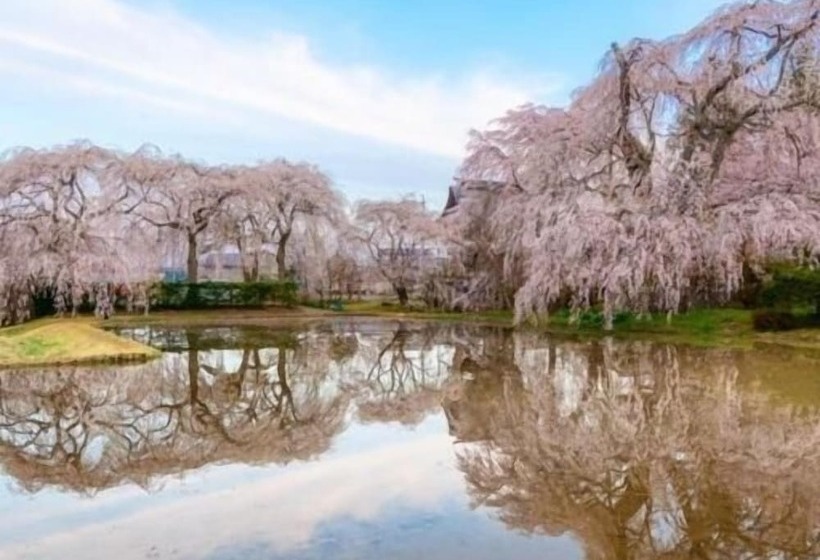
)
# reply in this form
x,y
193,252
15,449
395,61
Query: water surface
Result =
x,y
403,440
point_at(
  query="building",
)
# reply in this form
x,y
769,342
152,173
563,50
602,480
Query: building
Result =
x,y
225,264
461,188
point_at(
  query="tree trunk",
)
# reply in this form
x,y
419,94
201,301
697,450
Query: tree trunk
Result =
x,y
243,260
281,269
193,260
401,291
251,273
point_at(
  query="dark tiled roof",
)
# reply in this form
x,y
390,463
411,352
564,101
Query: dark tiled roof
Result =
x,y
461,186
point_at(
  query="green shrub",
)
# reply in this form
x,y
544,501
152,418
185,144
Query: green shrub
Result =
x,y
792,287
772,320
42,302
594,319
209,295
591,319
778,320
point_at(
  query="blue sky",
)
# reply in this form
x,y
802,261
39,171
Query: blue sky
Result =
x,y
380,93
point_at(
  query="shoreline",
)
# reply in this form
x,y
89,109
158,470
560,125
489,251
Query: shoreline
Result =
x,y
88,340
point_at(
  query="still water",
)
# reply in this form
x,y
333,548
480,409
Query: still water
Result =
x,y
402,440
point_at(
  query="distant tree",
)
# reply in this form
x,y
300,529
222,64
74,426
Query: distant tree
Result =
x,y
401,238
345,274
180,196
275,197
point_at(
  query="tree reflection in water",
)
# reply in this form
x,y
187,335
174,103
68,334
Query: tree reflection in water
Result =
x,y
640,450
403,373
88,429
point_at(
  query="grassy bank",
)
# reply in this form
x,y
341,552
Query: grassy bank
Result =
x,y
704,326
66,341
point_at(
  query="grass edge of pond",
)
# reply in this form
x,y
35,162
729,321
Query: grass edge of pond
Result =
x,y
723,328
46,342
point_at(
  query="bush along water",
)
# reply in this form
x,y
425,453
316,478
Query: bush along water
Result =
x,y
790,299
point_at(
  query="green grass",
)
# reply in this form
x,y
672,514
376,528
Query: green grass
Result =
x,y
710,327
66,341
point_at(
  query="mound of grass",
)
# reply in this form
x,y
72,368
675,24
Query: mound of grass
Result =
x,y
66,341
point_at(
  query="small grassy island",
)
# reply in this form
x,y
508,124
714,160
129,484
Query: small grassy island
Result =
x,y
66,341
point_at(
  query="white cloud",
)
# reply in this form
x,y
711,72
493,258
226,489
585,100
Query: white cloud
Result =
x,y
159,58
91,86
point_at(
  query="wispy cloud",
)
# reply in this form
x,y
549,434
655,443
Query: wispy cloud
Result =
x,y
159,58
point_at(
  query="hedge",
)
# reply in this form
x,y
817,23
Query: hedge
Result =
x,y
790,298
209,295
773,320
791,287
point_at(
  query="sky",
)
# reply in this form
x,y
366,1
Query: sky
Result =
x,y
379,93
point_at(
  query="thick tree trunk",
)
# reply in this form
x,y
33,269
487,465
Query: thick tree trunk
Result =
x,y
193,259
281,269
247,270
401,292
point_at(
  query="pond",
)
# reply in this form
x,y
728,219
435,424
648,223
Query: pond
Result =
x,y
381,439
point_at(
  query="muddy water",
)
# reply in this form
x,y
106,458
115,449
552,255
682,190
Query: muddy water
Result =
x,y
388,440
